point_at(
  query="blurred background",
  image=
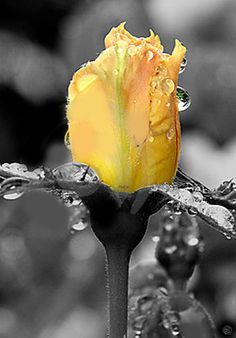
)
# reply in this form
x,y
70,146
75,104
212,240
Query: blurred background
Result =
x,y
52,284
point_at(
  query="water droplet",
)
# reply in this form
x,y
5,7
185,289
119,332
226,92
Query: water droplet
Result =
x,y
165,187
170,134
116,72
76,172
183,65
149,55
227,330
154,84
168,86
151,138
171,321
14,168
227,236
192,211
67,140
191,240
40,172
198,197
168,227
79,219
13,187
80,225
155,238
138,334
12,195
170,249
69,199
176,208
174,328
183,97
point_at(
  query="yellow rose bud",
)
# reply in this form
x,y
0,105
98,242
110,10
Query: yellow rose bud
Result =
x,y
123,112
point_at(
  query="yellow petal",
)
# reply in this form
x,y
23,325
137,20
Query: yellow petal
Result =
x,y
123,114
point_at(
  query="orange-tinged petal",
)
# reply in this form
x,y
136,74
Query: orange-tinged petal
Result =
x,y
123,113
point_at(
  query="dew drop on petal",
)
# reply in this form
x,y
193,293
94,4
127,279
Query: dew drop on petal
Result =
x,y
149,55
170,134
183,65
184,100
153,84
151,138
168,86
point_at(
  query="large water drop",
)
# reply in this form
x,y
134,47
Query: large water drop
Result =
x,y
76,172
184,100
13,187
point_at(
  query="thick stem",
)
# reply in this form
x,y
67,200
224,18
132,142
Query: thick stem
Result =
x,y
118,270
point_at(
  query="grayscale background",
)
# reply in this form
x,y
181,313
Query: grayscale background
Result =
x,y
52,285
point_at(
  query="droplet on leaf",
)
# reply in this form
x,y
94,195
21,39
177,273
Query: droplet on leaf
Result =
x,y
76,172
12,195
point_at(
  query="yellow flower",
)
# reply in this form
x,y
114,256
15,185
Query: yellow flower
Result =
x,y
123,113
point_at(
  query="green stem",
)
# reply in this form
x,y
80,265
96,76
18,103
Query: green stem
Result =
x,y
118,270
